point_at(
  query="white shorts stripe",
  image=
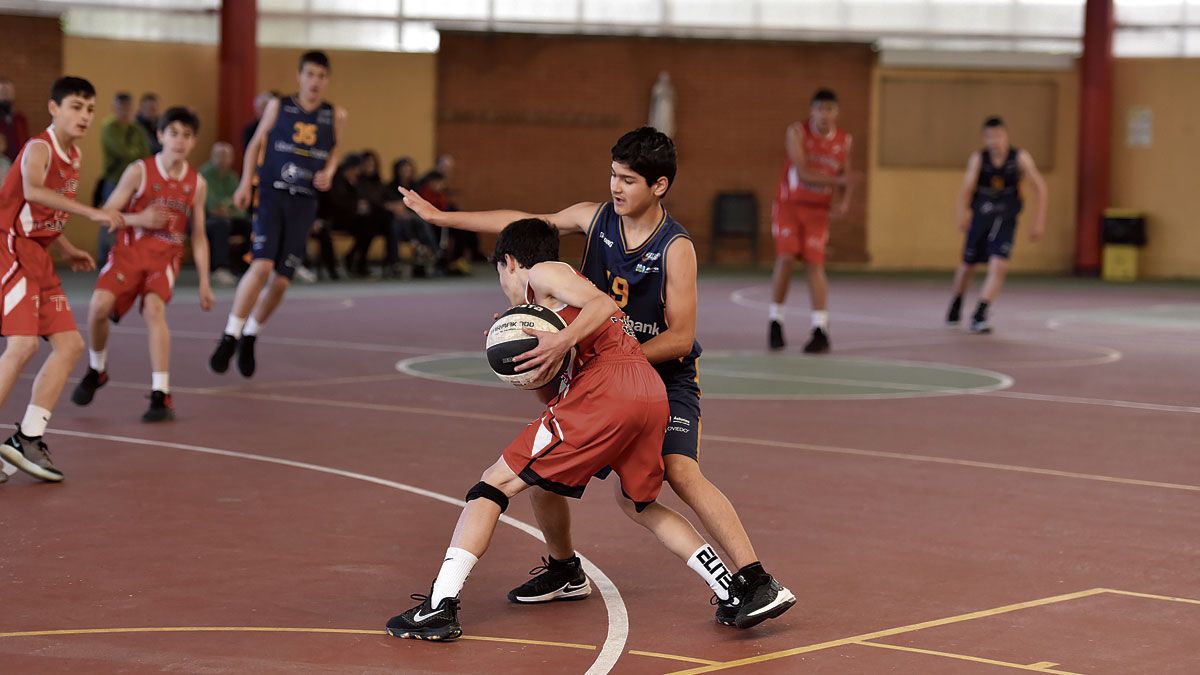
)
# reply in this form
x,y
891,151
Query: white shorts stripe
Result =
x,y
14,296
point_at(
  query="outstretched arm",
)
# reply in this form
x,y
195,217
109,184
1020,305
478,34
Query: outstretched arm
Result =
x,y
35,163
575,218
676,341
1029,170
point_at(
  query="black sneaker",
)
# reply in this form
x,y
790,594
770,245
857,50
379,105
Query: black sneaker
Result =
x,y
86,389
955,314
31,456
423,622
727,610
553,580
775,336
245,354
819,343
760,596
219,361
161,409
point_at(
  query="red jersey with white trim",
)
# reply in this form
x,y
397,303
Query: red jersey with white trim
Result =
x,y
22,218
172,194
825,155
614,338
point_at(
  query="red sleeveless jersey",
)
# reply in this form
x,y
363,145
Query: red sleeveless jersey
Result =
x,y
825,155
613,339
21,218
174,195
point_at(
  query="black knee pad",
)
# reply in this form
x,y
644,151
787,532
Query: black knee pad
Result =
x,y
482,489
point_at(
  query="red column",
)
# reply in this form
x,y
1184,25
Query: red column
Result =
x,y
1095,133
237,76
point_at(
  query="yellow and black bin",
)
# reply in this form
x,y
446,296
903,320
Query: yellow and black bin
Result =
x,y
1124,233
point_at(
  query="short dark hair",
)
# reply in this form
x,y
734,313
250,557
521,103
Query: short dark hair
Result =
x,y
649,152
823,94
993,122
529,241
315,57
182,115
123,97
148,96
71,86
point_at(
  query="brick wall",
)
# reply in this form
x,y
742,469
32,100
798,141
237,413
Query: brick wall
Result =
x,y
531,119
32,57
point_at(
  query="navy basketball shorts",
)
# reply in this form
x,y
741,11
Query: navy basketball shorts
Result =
x,y
991,235
683,427
280,231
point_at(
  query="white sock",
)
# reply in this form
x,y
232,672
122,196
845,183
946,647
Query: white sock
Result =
x,y
775,313
234,326
98,360
455,569
35,421
160,382
711,569
252,327
820,319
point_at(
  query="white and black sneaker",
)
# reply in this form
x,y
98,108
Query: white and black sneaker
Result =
x,y
30,455
727,610
553,580
759,596
980,326
425,622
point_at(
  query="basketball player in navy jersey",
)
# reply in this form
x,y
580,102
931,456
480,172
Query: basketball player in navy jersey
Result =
x,y
296,138
645,261
987,213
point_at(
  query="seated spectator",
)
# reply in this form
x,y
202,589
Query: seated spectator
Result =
x,y
222,218
379,218
418,242
346,211
14,127
460,247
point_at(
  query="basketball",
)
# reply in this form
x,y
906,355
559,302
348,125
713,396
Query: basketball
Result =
x,y
506,340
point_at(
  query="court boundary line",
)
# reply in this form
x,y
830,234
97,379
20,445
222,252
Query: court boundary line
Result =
x,y
868,638
617,614
967,657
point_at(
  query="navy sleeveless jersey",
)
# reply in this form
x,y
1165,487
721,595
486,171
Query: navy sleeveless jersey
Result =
x,y
637,280
998,189
297,147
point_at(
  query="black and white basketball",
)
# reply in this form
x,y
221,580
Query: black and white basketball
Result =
x,y
507,340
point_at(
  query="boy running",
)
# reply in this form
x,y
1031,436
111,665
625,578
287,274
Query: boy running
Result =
x,y
36,199
638,254
158,194
610,411
296,139
814,187
987,213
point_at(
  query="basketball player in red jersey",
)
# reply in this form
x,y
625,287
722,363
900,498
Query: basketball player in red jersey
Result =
x,y
815,186
159,194
36,199
611,411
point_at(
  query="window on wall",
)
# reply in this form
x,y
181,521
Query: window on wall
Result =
x,y
1145,27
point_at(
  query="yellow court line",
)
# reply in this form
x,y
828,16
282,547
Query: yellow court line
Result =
x,y
673,657
1042,665
965,657
1151,596
891,631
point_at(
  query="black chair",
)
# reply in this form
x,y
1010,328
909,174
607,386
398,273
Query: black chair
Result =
x,y
735,216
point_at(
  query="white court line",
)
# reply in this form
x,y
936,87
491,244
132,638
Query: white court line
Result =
x,y
618,616
1081,400
294,342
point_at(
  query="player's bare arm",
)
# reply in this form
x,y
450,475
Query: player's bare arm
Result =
x,y
79,259
200,244
574,218
841,200
323,179
1030,171
152,218
561,283
241,198
967,191
676,341
35,163
794,144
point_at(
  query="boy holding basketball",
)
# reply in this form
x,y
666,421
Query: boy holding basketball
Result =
x,y
610,411
638,254
159,194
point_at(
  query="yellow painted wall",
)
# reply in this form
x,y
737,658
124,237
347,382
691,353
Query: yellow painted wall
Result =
x,y
911,224
390,98
1160,179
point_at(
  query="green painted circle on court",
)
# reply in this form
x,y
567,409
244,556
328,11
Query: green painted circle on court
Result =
x,y
755,375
